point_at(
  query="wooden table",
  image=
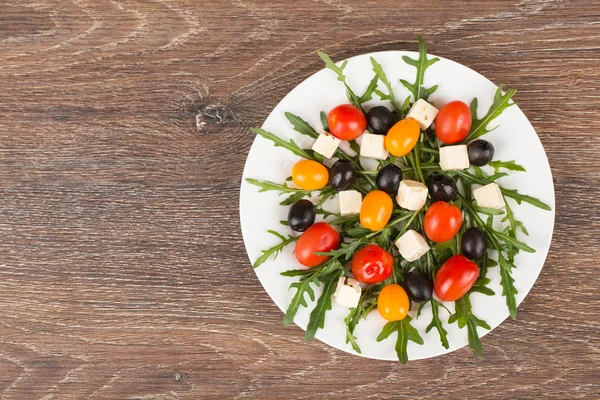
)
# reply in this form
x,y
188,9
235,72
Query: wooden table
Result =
x,y
124,127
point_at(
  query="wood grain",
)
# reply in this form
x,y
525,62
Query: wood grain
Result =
x,y
124,127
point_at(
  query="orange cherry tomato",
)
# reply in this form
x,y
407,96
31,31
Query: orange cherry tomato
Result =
x,y
442,221
392,303
309,175
376,210
402,137
455,278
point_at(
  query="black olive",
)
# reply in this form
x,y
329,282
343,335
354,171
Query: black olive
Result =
x,y
380,119
342,175
441,187
474,243
302,215
388,178
481,152
418,286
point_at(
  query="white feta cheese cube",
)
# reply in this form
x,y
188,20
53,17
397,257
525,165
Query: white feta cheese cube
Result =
x,y
372,146
326,144
347,293
350,202
489,196
422,112
412,245
412,195
454,157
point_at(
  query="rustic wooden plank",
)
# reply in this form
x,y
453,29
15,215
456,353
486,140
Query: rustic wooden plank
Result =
x,y
123,272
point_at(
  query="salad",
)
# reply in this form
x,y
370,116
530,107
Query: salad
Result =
x,y
416,231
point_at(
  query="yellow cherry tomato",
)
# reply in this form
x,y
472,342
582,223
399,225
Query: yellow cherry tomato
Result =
x,y
392,303
309,175
402,137
376,210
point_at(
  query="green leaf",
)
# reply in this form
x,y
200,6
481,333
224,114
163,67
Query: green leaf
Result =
x,y
278,142
421,64
509,165
487,210
405,332
303,288
273,251
352,97
351,321
515,195
346,251
294,198
464,316
437,324
324,121
268,185
380,73
297,272
508,288
514,242
479,126
350,219
301,126
317,316
368,95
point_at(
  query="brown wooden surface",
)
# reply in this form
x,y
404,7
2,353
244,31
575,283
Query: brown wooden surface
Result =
x,y
124,127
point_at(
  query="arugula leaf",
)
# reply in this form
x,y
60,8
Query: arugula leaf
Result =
x,y
421,64
487,210
301,125
298,272
265,186
339,220
480,286
352,97
464,316
278,142
324,121
512,193
302,287
479,126
275,250
507,282
405,332
509,165
369,91
380,73
437,323
351,321
317,316
518,197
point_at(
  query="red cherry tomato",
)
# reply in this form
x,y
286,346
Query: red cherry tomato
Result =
x,y
442,221
346,122
453,122
320,237
372,264
455,277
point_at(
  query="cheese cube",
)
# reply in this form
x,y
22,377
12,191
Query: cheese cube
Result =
x,y
347,293
412,195
350,202
422,112
326,144
412,246
489,196
372,146
454,157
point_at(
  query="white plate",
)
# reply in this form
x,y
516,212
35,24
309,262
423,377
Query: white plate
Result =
x,y
515,139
